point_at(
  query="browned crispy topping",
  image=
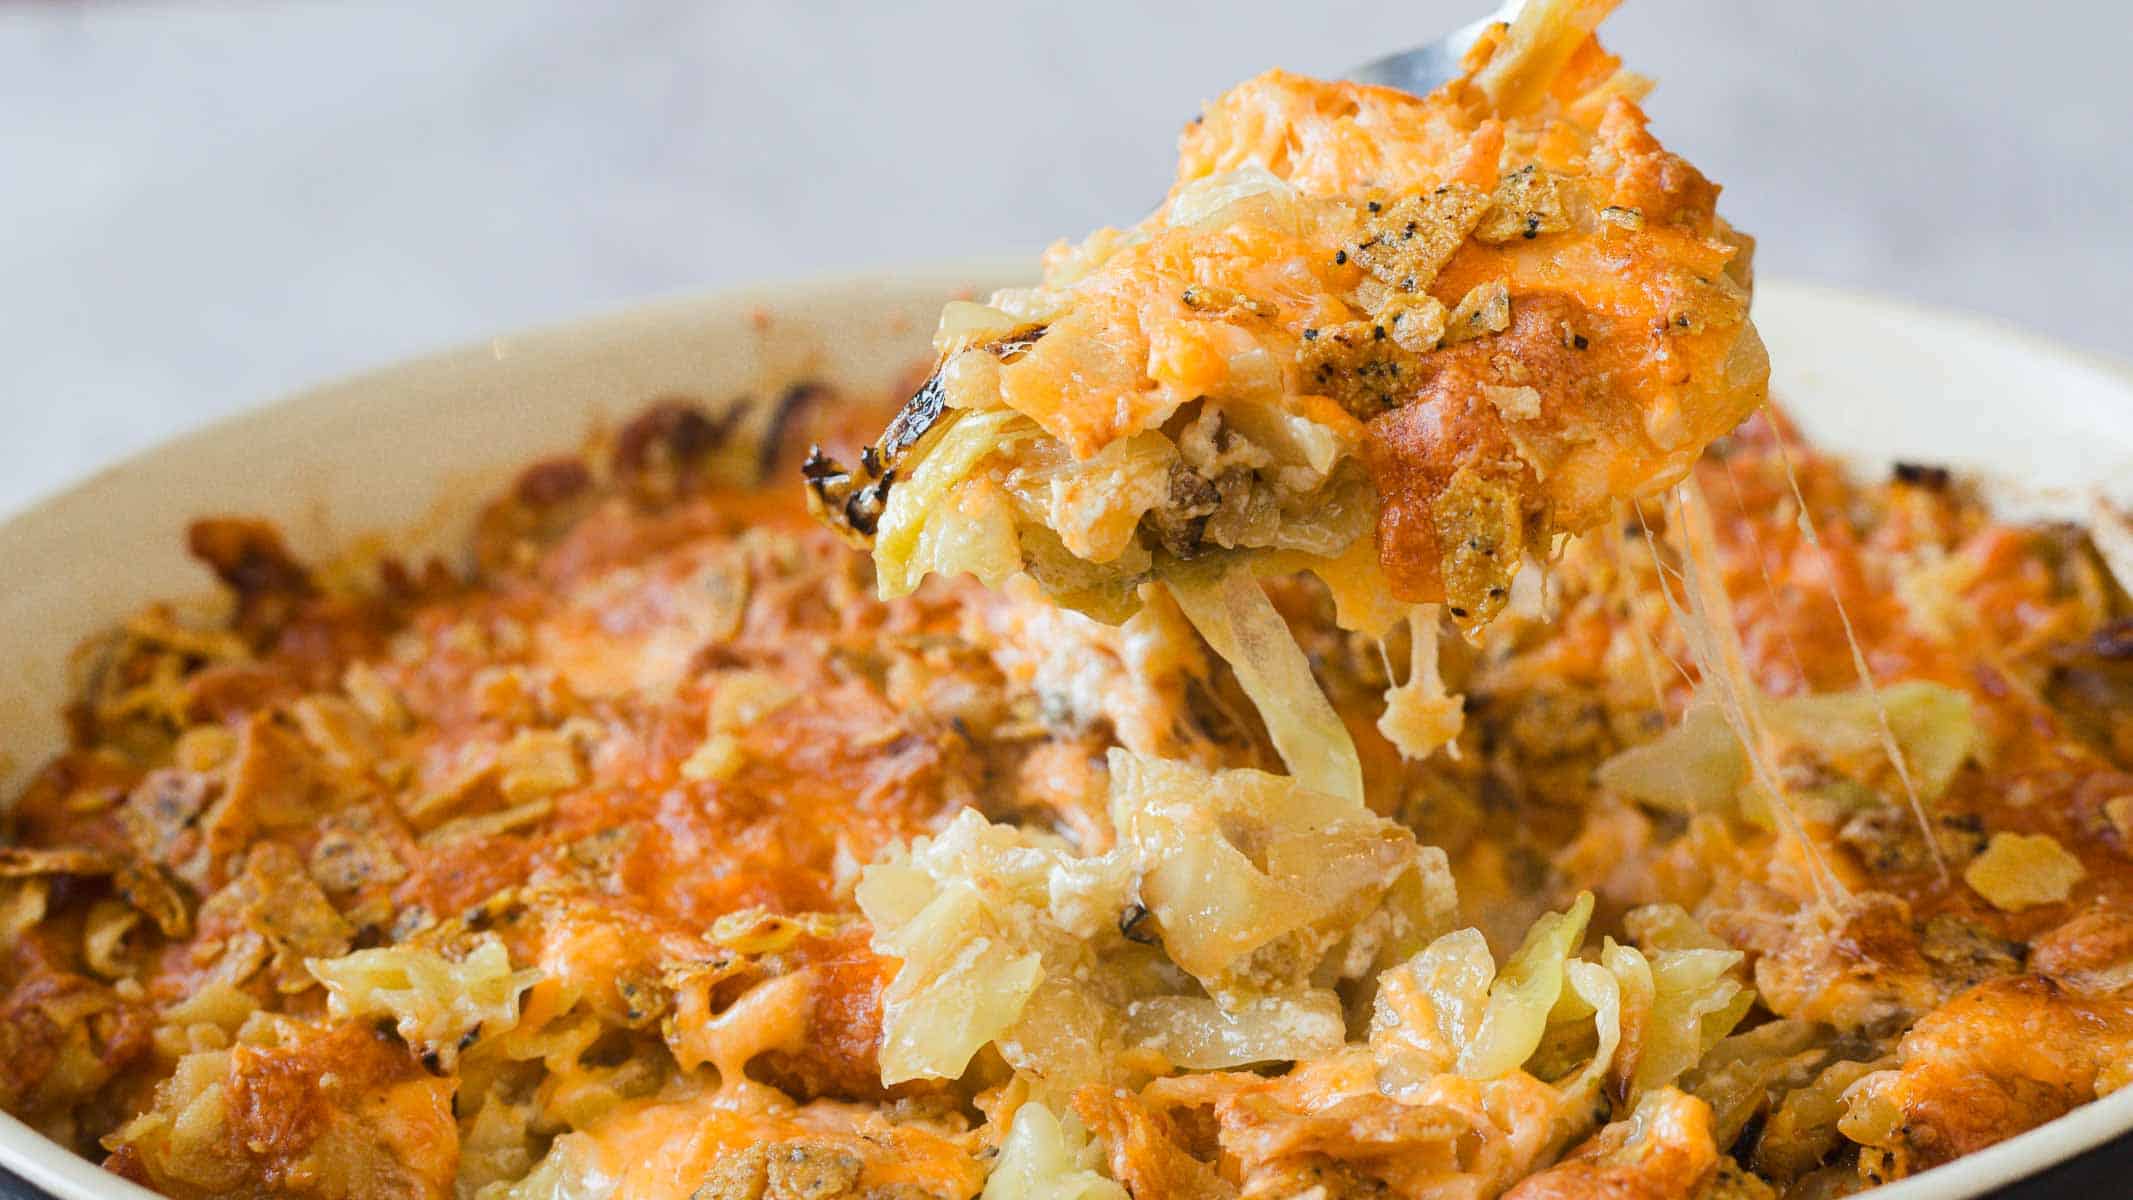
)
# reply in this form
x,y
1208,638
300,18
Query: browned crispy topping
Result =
x,y
791,404
1485,309
553,481
255,564
1360,366
676,431
1405,243
149,888
275,899
18,862
1482,533
1527,203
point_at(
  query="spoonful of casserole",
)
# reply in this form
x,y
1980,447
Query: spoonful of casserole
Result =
x,y
1446,327
1401,342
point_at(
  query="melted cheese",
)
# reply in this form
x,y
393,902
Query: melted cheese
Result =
x,y
1706,622
663,1148
1420,717
1889,745
1648,652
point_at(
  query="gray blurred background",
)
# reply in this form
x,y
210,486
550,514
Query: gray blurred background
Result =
x,y
204,205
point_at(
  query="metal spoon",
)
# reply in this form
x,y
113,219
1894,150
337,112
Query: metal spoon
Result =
x,y
1424,69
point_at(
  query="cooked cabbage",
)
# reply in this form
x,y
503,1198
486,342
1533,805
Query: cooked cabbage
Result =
x,y
1095,504
436,1003
1524,993
966,323
1653,1014
1199,1034
1232,612
1699,765
1935,727
944,517
1668,1005
1044,1158
1697,999
1428,1008
1213,201
1449,1009
1803,1129
1597,987
966,914
1737,1076
1213,930
1669,927
1253,878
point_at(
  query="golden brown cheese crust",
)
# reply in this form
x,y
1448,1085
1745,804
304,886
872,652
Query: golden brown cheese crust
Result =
x,y
1626,295
1504,303
644,749
1665,1152
2007,1055
424,760
343,1113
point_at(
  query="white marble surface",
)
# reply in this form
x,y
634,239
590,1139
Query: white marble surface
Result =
x,y
204,205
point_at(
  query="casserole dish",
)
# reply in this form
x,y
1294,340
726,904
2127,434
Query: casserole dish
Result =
x,y
415,448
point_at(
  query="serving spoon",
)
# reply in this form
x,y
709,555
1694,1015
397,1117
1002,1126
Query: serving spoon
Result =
x,y
1430,66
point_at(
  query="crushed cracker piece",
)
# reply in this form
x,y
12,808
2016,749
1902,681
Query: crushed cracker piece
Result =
x,y
1407,242
1359,366
376,697
1209,300
1515,403
536,763
2019,871
1485,309
1416,323
1527,204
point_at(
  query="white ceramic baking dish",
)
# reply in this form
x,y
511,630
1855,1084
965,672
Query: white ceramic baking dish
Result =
x,y
412,449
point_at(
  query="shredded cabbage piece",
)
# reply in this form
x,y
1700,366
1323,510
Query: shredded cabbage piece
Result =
x,y
1213,201
1524,993
1696,1000
946,519
1429,1007
1232,612
969,913
1252,879
1095,504
1597,986
1199,1034
1044,1158
1699,766
1737,1075
433,1001
1213,931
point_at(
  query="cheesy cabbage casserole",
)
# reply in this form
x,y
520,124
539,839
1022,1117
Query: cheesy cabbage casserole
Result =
x,y
1345,689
